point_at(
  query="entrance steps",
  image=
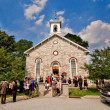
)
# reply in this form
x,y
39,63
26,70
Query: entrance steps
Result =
x,y
48,93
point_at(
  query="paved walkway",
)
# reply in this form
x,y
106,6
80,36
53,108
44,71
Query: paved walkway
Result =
x,y
56,103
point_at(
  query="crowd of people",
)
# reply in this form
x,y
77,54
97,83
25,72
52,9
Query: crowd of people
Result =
x,y
29,85
76,81
4,86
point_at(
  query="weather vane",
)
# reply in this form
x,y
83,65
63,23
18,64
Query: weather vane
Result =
x,y
55,15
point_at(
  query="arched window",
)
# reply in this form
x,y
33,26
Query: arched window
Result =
x,y
55,28
73,67
38,64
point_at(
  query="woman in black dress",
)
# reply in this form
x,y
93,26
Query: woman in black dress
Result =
x,y
75,81
85,83
69,81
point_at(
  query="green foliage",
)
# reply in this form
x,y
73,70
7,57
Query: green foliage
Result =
x,y
99,68
12,59
21,46
11,67
5,64
76,92
8,42
77,39
18,69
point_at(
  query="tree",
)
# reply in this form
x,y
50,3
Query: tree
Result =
x,y
12,59
5,64
18,69
21,46
6,41
99,68
11,67
77,39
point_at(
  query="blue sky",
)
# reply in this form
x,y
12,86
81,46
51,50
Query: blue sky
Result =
x,y
28,19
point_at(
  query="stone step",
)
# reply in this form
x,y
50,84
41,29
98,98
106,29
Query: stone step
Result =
x,y
48,93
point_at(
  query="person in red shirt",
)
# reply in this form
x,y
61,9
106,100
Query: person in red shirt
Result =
x,y
48,80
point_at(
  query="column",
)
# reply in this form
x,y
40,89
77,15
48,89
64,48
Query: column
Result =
x,y
41,89
65,90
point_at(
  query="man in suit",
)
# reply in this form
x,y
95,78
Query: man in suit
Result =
x,y
4,87
14,91
80,81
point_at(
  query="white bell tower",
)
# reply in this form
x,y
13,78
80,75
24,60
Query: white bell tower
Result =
x,y
55,27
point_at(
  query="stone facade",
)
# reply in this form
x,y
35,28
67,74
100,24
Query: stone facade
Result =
x,y
64,51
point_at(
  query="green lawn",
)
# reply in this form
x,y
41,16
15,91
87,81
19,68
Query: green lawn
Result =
x,y
76,92
18,94
73,92
23,94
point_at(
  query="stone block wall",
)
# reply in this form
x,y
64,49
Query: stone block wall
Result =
x,y
65,50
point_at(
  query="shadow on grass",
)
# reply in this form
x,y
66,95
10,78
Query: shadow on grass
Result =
x,y
93,89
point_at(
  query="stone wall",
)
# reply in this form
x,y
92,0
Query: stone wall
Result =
x,y
65,49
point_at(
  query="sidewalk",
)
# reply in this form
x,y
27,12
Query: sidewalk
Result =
x,y
90,97
56,103
11,98
23,98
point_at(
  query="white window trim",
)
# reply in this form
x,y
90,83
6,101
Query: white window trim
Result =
x,y
71,69
40,69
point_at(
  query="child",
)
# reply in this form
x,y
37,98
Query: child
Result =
x,y
47,85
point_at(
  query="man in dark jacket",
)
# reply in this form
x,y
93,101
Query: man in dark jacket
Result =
x,y
4,87
80,82
14,91
21,86
32,87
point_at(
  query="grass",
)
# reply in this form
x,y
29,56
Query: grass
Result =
x,y
73,92
22,94
18,94
76,92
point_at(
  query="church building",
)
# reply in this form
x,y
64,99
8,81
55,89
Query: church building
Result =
x,y
55,55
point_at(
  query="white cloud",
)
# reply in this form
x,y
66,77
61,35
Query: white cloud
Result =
x,y
97,33
66,30
32,29
39,2
32,10
108,5
80,17
47,25
44,34
90,18
94,0
97,0
41,18
60,13
62,19
107,41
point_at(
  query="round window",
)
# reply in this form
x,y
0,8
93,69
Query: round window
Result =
x,y
55,53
